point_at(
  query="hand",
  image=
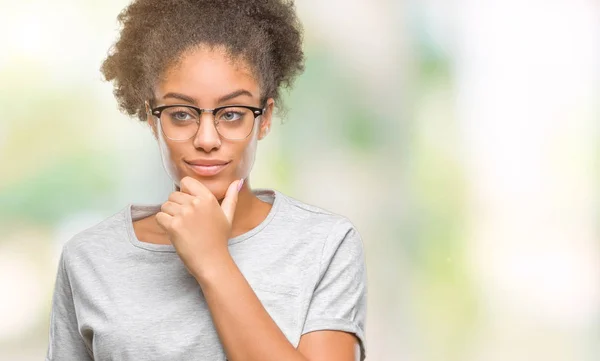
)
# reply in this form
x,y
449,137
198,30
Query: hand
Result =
x,y
198,227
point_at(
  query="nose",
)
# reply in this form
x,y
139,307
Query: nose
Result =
x,y
207,138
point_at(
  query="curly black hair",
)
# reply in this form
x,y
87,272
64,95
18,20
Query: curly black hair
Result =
x,y
155,33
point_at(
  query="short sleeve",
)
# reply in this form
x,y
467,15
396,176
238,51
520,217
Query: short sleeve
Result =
x,y
339,300
64,341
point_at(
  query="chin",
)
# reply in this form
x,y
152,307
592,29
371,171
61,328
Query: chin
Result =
x,y
217,188
217,185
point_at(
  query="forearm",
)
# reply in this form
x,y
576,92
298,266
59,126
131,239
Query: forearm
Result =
x,y
245,329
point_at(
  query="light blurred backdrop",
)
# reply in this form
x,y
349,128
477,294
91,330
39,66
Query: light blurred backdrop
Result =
x,y
460,136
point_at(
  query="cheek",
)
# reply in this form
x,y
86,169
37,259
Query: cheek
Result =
x,y
247,156
170,154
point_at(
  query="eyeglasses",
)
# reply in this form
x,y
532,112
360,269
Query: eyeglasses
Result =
x,y
181,122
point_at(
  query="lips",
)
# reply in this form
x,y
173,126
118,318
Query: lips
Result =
x,y
207,168
207,162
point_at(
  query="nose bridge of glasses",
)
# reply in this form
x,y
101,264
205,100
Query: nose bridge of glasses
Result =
x,y
211,114
210,111
211,118
212,133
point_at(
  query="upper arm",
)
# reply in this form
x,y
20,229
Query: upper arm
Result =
x,y
64,340
335,321
330,346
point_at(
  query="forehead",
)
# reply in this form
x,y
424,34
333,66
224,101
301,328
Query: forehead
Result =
x,y
206,74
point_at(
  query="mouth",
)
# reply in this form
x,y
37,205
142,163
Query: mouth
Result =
x,y
206,170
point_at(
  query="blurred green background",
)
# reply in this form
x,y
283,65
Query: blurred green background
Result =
x,y
461,137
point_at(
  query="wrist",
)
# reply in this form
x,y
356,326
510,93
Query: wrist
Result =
x,y
212,266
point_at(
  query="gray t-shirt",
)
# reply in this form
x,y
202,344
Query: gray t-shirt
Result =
x,y
117,298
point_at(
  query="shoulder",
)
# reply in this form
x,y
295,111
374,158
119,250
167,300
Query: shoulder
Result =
x,y
96,238
334,227
303,211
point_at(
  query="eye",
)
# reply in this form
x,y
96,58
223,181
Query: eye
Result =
x,y
181,115
230,116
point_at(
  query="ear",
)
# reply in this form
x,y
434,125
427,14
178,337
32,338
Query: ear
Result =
x,y
150,118
265,121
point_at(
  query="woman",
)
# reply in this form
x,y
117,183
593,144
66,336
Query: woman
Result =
x,y
219,271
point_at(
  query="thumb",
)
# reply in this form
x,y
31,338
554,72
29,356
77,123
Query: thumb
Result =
x,y
230,201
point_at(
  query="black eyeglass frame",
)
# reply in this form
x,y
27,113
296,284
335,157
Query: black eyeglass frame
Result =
x,y
257,112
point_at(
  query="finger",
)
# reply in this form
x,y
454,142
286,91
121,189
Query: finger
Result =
x,y
164,220
230,201
170,208
194,187
181,198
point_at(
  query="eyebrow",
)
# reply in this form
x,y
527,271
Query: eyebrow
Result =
x,y
222,99
234,95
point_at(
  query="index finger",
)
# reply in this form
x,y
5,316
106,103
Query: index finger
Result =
x,y
194,187
181,197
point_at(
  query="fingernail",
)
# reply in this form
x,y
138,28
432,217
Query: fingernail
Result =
x,y
240,184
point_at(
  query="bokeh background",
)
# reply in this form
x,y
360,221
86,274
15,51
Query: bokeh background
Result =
x,y
460,136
